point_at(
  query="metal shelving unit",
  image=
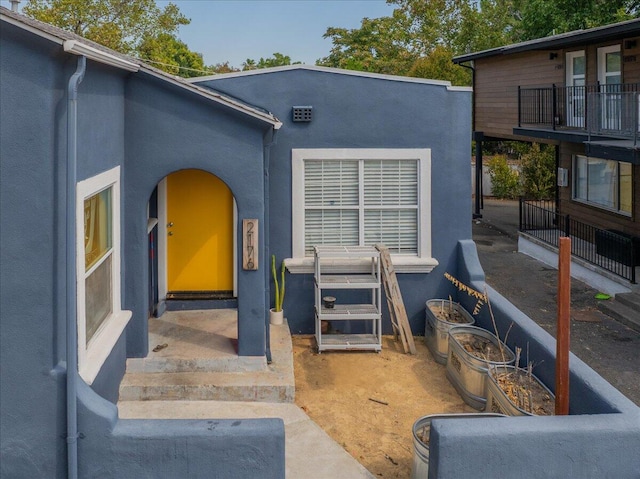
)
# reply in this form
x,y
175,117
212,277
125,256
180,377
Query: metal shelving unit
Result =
x,y
338,258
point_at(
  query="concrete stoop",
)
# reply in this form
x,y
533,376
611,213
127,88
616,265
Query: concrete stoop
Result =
x,y
197,362
625,308
197,375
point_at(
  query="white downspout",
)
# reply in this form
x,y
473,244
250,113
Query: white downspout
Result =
x,y
71,275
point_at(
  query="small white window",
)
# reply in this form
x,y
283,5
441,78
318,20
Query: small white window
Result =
x,y
362,197
100,318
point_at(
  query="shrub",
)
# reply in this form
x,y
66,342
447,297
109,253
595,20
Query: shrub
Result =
x,y
538,172
505,182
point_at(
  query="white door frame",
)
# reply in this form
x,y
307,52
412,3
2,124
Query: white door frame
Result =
x,y
575,102
610,106
162,242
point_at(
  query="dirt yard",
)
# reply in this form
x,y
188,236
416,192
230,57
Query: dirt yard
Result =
x,y
368,401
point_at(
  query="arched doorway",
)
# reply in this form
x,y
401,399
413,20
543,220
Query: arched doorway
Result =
x,y
196,238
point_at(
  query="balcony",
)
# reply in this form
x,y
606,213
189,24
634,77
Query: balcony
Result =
x,y
604,117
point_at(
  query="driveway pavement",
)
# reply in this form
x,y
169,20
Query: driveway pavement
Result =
x,y
609,347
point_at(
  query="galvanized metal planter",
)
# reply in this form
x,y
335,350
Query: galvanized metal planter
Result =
x,y
436,330
468,373
421,429
498,401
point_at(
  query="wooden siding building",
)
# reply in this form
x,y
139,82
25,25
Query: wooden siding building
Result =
x,y
579,91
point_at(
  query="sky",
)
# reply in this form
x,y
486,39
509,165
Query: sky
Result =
x,y
234,30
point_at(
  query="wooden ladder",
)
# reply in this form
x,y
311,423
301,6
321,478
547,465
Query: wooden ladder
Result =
x,y
398,314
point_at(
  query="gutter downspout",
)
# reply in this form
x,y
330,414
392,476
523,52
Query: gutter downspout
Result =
x,y
267,157
72,333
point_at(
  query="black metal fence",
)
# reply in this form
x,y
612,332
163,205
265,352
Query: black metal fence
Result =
x,y
611,250
610,109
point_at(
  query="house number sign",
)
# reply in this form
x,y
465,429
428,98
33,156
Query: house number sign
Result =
x,y
250,244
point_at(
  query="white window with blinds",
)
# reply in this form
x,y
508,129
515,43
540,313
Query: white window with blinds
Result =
x,y
362,197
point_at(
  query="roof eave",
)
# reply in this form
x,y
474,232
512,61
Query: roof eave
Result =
x,y
577,37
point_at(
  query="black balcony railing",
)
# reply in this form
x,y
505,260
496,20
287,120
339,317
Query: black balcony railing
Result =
x,y
604,110
610,250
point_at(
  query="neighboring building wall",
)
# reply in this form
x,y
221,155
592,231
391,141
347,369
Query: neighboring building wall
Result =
x,y
362,112
496,88
590,214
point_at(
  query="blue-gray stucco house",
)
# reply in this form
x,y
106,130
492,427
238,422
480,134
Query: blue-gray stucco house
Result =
x,y
100,154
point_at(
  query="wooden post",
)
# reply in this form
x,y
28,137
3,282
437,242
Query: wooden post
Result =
x,y
564,327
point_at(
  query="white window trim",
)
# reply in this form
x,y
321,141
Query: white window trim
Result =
x,y
593,203
92,356
422,263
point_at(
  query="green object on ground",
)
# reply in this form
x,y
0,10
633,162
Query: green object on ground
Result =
x,y
602,296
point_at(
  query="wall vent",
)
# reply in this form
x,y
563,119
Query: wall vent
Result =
x,y
302,113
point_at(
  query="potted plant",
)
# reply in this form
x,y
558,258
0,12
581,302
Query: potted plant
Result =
x,y
441,316
472,351
276,314
517,392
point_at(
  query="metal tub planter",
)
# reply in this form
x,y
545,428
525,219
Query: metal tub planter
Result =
x,y
421,432
516,392
467,371
441,315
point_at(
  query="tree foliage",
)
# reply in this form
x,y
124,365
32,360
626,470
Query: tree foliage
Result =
x,y
172,55
135,27
420,34
380,45
277,60
122,25
505,181
538,172
541,18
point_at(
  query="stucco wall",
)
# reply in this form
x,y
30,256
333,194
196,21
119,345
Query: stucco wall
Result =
x,y
363,112
32,308
167,130
150,130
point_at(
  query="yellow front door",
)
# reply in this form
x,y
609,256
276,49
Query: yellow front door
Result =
x,y
200,232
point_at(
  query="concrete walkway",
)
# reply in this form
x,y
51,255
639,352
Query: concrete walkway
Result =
x,y
309,452
195,373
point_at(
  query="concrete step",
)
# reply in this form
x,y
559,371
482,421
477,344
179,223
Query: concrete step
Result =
x,y
627,315
264,386
230,364
632,300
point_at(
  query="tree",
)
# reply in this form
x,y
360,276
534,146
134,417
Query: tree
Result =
x,y
135,27
172,55
277,60
121,25
541,18
438,65
380,45
539,172
223,67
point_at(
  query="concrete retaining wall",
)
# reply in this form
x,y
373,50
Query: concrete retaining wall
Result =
x,y
600,438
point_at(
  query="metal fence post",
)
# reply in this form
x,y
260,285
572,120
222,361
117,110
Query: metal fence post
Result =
x,y
519,107
554,107
567,226
520,228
